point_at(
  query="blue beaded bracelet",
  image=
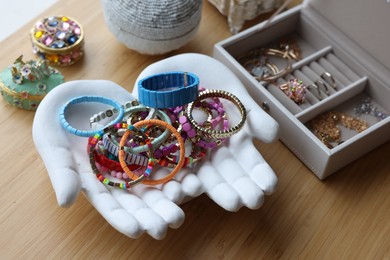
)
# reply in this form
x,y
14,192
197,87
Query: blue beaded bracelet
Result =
x,y
168,90
87,99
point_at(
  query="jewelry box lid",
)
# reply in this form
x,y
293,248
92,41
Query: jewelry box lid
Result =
x,y
25,84
364,22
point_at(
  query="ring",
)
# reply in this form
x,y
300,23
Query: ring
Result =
x,y
295,90
322,84
329,79
87,99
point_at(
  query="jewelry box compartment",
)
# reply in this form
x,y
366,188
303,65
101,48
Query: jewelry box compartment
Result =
x,y
356,86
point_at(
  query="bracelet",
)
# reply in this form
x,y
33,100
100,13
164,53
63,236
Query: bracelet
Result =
x,y
132,128
92,142
86,99
168,90
211,133
156,141
130,158
110,164
119,174
110,112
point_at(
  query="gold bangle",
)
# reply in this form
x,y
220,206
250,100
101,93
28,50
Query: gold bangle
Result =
x,y
218,134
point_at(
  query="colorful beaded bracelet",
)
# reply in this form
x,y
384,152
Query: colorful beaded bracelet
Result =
x,y
91,148
168,90
86,99
152,160
110,112
211,133
130,158
111,164
156,141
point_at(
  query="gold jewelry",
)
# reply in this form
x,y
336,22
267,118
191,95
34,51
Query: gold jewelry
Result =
x,y
257,64
325,126
209,132
291,48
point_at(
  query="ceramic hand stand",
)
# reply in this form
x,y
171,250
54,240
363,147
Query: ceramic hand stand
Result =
x,y
233,175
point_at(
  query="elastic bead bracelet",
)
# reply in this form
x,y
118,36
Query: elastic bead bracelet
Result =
x,y
130,158
156,141
168,90
217,134
87,99
112,164
110,112
91,148
152,160
197,154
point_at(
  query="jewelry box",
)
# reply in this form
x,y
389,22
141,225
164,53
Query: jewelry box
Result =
x,y
345,39
24,84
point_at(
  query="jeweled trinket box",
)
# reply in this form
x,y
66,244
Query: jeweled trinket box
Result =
x,y
58,39
25,84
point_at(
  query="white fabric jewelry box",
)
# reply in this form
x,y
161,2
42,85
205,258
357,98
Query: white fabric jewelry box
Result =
x,y
350,40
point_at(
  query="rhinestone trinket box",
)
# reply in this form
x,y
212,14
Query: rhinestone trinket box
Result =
x,y
58,39
25,84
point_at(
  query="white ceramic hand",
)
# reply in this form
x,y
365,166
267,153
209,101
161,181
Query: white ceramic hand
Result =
x,y
235,174
144,209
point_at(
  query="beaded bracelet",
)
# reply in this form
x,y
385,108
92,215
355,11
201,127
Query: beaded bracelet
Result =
x,y
110,112
111,163
93,141
152,160
86,99
130,158
119,174
218,134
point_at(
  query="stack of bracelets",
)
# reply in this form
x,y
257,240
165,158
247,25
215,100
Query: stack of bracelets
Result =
x,y
156,131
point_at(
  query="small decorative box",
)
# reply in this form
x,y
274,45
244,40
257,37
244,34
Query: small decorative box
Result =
x,y
25,84
58,39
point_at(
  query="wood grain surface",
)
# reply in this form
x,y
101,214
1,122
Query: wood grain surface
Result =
x,y
347,216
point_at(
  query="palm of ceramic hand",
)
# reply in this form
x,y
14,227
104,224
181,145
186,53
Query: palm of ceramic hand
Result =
x,y
235,174
144,209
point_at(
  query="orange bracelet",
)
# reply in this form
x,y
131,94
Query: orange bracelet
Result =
x,y
165,125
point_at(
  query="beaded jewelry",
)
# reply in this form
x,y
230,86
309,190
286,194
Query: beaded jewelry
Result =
x,y
211,133
93,141
110,112
86,99
131,128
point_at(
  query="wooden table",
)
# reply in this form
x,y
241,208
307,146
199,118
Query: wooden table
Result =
x,y
345,216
